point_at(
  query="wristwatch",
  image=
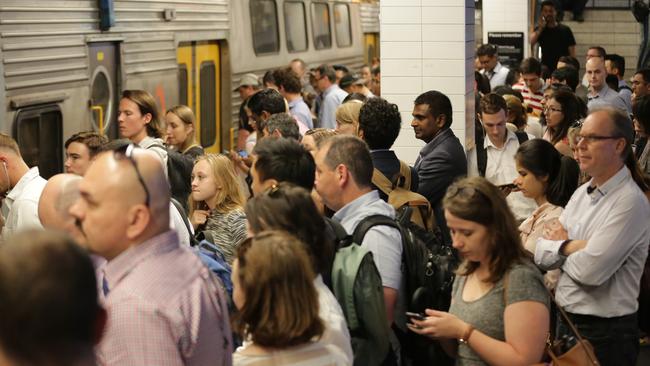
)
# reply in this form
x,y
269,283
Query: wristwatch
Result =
x,y
465,338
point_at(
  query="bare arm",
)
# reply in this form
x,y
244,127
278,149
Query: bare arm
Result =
x,y
390,299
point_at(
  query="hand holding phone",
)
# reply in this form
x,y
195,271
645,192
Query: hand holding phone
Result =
x,y
416,316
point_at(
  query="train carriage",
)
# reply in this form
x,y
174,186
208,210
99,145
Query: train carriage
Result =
x,y
64,63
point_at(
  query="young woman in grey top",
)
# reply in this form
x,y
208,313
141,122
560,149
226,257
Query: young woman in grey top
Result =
x,y
484,325
217,203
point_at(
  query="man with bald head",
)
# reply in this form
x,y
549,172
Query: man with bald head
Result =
x,y
164,306
60,192
601,241
599,93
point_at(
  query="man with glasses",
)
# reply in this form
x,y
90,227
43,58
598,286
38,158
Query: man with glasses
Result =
x,y
164,306
491,67
601,241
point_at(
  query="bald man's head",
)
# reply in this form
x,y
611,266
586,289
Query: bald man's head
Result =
x,y
113,208
596,73
60,192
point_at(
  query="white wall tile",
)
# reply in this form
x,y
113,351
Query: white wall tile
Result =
x,y
404,103
401,32
444,15
401,15
443,50
443,32
401,84
386,3
433,67
401,50
402,67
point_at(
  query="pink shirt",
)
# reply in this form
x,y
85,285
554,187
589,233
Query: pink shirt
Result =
x,y
164,308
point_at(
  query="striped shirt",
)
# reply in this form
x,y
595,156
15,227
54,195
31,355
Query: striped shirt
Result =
x,y
226,230
164,308
532,99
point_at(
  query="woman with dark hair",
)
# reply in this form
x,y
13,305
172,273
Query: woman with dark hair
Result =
x,y
550,179
139,122
560,113
278,316
499,313
641,112
290,208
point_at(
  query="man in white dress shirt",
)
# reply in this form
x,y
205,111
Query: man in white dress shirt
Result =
x,y
491,67
602,243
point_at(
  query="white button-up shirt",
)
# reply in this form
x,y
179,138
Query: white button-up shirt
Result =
x,y
497,76
603,278
20,207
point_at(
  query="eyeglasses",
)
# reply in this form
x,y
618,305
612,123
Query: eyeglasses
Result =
x,y
591,138
552,109
127,152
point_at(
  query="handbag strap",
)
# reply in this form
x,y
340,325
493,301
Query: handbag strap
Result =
x,y
565,317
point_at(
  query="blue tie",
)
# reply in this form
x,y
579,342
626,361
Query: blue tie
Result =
x,y
105,286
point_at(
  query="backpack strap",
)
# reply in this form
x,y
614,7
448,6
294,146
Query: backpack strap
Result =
x,y
624,87
521,136
186,220
405,171
369,222
481,158
343,239
380,181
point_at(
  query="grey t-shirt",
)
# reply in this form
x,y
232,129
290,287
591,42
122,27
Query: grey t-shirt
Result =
x,y
525,283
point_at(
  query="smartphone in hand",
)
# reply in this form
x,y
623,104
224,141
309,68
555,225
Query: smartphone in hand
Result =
x,y
416,316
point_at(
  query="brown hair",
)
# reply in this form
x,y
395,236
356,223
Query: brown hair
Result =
x,y
348,113
230,196
186,115
352,152
476,199
492,103
92,140
147,104
320,134
280,307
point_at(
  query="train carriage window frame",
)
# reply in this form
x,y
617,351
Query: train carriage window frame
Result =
x,y
342,25
207,95
264,26
321,40
295,26
183,79
46,149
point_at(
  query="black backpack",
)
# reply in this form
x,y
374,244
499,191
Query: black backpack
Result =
x,y
481,153
179,173
429,266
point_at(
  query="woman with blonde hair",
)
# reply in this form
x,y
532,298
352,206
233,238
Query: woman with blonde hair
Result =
x,y
217,203
347,117
499,313
180,131
278,318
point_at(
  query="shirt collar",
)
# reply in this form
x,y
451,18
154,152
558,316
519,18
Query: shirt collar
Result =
x,y
488,143
120,266
601,93
428,148
330,89
294,102
609,185
355,205
18,189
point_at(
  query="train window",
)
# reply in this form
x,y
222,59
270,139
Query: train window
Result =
x,y
39,133
320,15
182,84
295,26
342,25
208,77
264,23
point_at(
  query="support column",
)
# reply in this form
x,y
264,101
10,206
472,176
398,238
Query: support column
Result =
x,y
428,45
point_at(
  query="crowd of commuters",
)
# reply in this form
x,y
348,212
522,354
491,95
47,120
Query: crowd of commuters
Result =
x,y
549,205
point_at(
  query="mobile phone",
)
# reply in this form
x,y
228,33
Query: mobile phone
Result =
x,y
243,153
416,316
508,186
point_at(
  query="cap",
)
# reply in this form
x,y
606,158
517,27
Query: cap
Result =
x,y
248,79
348,80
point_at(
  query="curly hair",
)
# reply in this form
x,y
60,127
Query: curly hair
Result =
x,y
380,122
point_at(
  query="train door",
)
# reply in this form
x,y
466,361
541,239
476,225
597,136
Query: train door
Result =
x,y
103,60
371,43
199,83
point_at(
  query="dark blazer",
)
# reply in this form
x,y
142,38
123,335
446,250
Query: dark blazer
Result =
x,y
440,163
388,164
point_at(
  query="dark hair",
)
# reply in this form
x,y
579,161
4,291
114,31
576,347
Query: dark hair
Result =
x,y
355,96
542,159
267,100
492,103
49,309
612,82
341,68
570,61
268,78
380,122
327,71
354,154
487,50
284,123
291,208
548,3
146,104
645,73
508,90
375,70
531,65
482,82
570,110
281,303
439,104
567,74
641,110
288,80
601,51
476,199
92,140
623,127
284,160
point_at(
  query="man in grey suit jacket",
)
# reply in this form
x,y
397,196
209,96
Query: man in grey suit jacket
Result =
x,y
442,159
